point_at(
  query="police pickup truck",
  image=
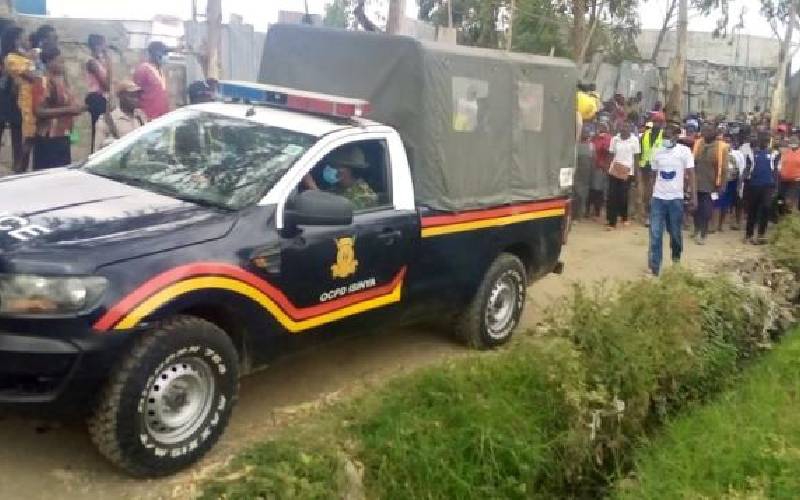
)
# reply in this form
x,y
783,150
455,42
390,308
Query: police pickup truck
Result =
x,y
141,284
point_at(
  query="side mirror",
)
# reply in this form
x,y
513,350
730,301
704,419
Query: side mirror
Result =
x,y
318,208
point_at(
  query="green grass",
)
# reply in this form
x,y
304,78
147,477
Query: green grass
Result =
x,y
481,427
553,416
783,245
487,428
746,444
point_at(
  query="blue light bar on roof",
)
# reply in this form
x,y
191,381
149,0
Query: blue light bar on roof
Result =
x,y
295,100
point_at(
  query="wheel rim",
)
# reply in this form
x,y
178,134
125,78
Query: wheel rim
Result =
x,y
502,305
179,400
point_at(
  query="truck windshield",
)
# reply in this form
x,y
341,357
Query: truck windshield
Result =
x,y
203,158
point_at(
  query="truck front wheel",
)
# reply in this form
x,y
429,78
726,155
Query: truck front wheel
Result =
x,y
169,400
494,312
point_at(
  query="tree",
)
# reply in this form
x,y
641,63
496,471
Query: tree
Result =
x,y
336,14
214,38
539,28
397,12
779,12
677,68
589,15
669,19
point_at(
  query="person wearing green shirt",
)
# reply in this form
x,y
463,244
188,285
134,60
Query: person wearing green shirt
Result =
x,y
344,164
651,142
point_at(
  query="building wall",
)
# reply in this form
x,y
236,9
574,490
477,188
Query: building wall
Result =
x,y
721,77
713,88
739,50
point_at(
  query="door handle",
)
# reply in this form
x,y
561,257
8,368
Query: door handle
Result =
x,y
388,236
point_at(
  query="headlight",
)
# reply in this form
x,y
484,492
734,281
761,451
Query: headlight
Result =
x,y
27,294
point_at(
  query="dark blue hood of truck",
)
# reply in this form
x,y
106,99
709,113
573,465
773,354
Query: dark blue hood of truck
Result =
x,y
67,217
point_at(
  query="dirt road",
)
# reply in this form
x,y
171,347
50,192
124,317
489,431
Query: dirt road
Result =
x,y
40,461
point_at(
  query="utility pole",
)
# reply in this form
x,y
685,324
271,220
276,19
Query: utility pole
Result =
x,y
213,38
449,13
677,69
778,108
397,11
511,12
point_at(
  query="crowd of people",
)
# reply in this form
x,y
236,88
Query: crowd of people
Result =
x,y
636,164
38,105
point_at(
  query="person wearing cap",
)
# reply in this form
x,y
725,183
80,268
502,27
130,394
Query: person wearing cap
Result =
x,y
149,76
126,118
652,140
341,176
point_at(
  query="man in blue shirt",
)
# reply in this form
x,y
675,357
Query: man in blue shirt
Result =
x,y
760,186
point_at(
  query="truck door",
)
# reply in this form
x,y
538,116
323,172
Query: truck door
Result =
x,y
330,273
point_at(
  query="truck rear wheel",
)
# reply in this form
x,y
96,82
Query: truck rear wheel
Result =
x,y
494,312
169,399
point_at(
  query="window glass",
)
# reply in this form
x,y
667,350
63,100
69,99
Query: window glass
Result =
x,y
357,171
469,101
204,158
531,105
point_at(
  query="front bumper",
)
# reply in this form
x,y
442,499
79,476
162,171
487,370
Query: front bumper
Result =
x,y
45,373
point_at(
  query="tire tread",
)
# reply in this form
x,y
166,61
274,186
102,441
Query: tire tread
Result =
x,y
103,422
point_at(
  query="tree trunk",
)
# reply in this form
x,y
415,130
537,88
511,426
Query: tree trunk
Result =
x,y
449,13
214,38
664,29
778,108
578,30
511,15
397,11
586,42
362,18
677,69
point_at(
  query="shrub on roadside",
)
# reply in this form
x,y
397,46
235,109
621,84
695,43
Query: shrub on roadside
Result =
x,y
783,244
743,445
652,347
555,416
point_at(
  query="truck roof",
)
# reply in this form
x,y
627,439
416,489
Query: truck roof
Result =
x,y
296,121
482,127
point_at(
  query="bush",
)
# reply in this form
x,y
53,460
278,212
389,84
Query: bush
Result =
x,y
652,347
783,245
746,444
555,416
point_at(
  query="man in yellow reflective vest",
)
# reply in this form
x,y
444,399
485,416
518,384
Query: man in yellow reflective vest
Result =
x,y
651,142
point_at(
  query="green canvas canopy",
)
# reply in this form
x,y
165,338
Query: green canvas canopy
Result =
x,y
481,127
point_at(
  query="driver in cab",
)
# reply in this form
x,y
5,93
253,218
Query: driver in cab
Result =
x,y
342,173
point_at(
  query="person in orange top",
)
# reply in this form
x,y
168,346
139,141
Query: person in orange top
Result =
x,y
711,160
790,174
22,69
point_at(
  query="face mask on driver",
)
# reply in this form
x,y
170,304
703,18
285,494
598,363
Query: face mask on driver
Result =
x,y
668,143
330,175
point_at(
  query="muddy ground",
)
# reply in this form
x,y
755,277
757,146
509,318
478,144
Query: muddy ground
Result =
x,y
43,460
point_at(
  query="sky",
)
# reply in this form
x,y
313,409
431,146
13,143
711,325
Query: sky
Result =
x,y
259,13
262,12
651,14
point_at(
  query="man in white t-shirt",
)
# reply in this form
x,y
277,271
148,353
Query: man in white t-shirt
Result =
x,y
673,172
625,148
